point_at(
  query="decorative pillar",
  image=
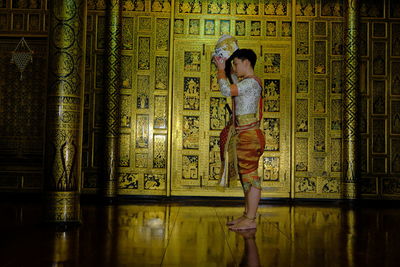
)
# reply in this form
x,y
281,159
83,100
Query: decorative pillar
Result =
x,y
112,85
64,111
351,93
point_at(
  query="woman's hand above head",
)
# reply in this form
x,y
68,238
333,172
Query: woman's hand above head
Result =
x,y
219,62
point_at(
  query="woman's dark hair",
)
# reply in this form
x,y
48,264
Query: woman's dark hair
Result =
x,y
240,54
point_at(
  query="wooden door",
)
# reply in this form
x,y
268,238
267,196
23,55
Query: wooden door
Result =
x,y
199,116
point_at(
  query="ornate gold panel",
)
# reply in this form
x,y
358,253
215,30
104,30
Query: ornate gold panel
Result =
x,y
319,51
145,85
22,118
23,18
275,64
199,116
190,117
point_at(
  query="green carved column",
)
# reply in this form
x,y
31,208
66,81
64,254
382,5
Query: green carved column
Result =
x,y
112,85
351,92
63,144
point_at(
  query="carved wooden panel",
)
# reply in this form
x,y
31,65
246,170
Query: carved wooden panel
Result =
x,y
22,117
318,103
23,18
144,106
380,96
200,116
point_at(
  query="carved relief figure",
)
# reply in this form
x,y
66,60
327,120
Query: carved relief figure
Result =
x,y
225,27
178,26
185,7
271,169
251,9
166,6
272,63
269,9
191,93
286,29
271,130
190,167
196,7
240,8
306,184
128,181
271,28
142,132
194,26
190,139
240,28
139,5
217,113
154,181
209,27
214,8
214,159
331,186
34,4
255,28
156,6
225,8
280,10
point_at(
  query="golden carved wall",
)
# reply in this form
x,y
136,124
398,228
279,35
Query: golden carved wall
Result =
x,y
22,114
318,103
171,110
380,99
22,106
199,107
144,98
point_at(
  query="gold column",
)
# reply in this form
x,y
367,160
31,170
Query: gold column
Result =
x,y
112,85
67,31
351,92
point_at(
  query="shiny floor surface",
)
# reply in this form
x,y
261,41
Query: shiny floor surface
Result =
x,y
178,234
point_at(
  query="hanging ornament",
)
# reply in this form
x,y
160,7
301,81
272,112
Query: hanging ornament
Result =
x,y
21,56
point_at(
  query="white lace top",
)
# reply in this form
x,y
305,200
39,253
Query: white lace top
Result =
x,y
249,92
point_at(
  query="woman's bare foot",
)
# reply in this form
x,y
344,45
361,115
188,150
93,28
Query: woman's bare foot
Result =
x,y
235,221
244,224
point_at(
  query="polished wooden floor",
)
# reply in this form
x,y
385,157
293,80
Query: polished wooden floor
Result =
x,y
194,234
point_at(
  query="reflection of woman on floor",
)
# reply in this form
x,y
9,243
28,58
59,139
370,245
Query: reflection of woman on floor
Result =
x,y
249,138
250,256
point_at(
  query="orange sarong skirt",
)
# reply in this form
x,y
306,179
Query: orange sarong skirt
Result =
x,y
242,153
249,148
